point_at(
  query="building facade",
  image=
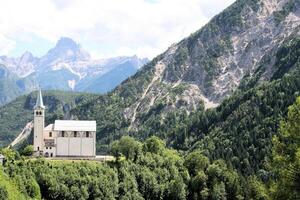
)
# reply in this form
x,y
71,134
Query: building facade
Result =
x,y
64,138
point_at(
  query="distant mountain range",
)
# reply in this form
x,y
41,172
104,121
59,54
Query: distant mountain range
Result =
x,y
65,67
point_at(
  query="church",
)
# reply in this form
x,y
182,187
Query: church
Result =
x,y
64,138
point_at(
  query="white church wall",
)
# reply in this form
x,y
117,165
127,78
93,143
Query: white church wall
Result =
x,y
62,146
49,151
88,147
75,147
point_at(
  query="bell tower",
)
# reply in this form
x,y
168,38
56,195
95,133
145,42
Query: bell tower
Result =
x,y
39,124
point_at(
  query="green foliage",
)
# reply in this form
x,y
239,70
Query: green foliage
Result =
x,y
286,156
287,56
196,162
27,151
154,145
156,173
9,189
258,190
127,147
3,193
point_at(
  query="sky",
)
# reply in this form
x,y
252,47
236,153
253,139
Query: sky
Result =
x,y
105,28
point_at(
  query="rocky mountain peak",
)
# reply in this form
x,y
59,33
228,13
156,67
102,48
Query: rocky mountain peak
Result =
x,y
67,43
65,50
26,57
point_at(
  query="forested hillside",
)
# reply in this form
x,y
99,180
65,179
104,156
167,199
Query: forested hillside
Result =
x,y
235,52
149,170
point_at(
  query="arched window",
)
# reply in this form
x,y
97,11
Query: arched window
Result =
x,y
87,134
50,134
37,112
62,134
40,113
75,133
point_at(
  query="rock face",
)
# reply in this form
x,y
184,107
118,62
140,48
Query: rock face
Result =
x,y
232,45
68,67
212,62
201,70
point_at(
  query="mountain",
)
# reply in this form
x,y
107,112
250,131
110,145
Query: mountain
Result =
x,y
68,67
249,45
195,75
240,49
8,87
223,100
102,83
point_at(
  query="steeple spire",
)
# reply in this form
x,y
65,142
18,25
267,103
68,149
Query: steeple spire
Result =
x,y
39,101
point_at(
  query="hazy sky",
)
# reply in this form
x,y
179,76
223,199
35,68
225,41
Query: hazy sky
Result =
x,y
104,28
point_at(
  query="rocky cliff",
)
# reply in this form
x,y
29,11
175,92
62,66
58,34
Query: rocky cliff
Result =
x,y
236,49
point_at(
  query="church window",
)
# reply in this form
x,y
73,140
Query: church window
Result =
x,y
87,134
50,134
62,134
37,113
75,134
50,147
40,113
38,148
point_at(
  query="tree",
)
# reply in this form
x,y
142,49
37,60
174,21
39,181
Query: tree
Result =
x,y
154,145
3,193
286,156
126,146
257,189
27,151
177,189
219,192
196,162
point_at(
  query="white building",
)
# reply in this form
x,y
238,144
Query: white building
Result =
x,y
63,138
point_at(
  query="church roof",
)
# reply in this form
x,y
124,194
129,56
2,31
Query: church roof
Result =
x,y
39,100
49,127
74,125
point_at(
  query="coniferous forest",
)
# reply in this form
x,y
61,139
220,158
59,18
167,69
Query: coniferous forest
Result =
x,y
150,170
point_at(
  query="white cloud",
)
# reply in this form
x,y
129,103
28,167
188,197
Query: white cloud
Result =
x,y
142,27
6,45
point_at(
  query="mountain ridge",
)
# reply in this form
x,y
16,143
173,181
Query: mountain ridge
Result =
x,y
187,77
67,66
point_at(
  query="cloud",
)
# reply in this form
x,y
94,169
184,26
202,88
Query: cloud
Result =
x,y
6,45
110,27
